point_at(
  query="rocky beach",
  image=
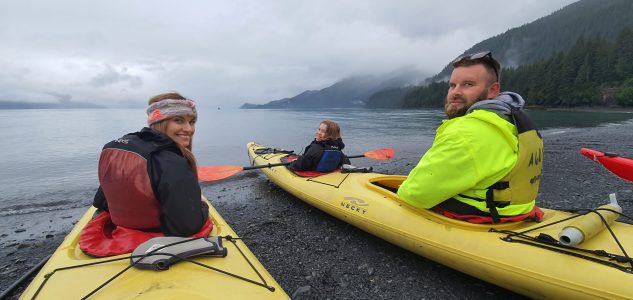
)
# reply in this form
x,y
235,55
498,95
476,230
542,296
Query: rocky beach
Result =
x,y
316,256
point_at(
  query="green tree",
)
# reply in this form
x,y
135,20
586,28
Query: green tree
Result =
x,y
624,95
624,51
586,74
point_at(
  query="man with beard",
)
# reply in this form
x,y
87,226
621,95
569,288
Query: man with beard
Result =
x,y
485,162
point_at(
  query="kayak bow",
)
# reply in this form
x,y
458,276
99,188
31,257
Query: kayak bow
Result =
x,y
71,274
618,165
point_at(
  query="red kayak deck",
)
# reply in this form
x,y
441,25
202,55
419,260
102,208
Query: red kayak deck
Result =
x,y
618,165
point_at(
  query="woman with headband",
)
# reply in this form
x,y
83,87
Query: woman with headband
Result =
x,y
149,183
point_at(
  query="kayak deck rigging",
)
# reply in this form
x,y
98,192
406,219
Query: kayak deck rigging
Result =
x,y
262,281
548,242
70,267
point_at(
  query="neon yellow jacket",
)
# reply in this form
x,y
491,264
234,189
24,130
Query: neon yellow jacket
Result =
x,y
469,154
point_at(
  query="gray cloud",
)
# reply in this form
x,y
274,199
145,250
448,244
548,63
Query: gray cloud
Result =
x,y
226,53
62,98
110,76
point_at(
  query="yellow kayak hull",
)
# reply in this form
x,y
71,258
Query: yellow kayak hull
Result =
x,y
183,280
366,200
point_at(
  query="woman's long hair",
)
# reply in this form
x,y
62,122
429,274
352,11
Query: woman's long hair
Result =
x,y
162,127
333,131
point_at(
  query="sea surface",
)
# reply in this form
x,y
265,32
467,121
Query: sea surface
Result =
x,y
49,156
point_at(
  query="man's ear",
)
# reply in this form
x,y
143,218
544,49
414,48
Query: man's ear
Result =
x,y
494,90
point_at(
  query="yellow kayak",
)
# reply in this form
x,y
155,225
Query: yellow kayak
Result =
x,y
238,275
538,260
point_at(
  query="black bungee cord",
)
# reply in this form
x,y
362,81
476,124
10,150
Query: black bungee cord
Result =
x,y
229,238
547,242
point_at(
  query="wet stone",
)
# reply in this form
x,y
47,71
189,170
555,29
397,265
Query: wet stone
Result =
x,y
343,283
300,291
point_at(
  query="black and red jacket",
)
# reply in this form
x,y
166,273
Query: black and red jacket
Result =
x,y
147,184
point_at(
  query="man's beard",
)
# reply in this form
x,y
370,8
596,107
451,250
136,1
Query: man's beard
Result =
x,y
459,112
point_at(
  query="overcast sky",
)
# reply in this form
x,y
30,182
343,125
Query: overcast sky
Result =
x,y
225,53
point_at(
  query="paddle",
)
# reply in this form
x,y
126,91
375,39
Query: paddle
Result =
x,y
212,173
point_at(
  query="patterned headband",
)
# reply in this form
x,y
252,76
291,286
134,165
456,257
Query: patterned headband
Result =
x,y
168,108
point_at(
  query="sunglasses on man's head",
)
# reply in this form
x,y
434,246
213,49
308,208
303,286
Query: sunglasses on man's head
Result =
x,y
485,56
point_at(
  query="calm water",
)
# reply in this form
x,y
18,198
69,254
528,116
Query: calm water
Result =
x,y
50,157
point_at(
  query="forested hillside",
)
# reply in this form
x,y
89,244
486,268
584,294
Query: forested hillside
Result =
x,y
595,72
557,32
575,56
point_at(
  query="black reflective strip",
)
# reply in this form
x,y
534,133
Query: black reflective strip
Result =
x,y
497,203
471,198
501,185
458,207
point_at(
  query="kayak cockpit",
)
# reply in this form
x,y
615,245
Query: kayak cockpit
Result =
x,y
388,185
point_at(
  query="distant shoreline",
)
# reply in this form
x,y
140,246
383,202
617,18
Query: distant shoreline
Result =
x,y
45,105
586,109
545,108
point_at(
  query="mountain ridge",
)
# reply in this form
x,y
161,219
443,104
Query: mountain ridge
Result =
x,y
351,92
541,39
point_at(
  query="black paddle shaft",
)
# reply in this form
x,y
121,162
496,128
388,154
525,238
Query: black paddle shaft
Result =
x,y
266,166
286,163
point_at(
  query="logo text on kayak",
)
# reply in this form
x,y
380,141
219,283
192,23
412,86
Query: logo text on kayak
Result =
x,y
355,204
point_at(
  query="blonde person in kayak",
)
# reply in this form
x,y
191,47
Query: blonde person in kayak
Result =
x,y
324,154
485,162
148,182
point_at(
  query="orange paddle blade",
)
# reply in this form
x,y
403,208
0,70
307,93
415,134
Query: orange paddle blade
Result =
x,y
381,154
213,173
